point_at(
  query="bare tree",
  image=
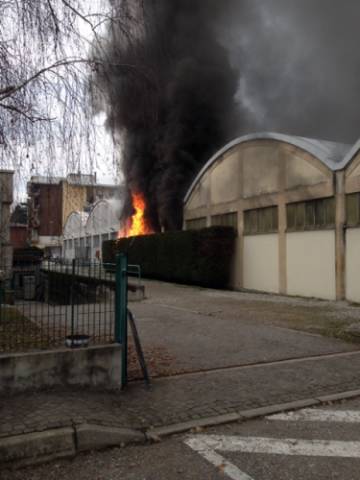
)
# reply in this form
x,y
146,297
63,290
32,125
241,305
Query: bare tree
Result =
x,y
46,118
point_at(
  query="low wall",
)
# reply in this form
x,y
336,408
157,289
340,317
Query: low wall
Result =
x,y
86,367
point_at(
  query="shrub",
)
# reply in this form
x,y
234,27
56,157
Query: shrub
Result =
x,y
196,257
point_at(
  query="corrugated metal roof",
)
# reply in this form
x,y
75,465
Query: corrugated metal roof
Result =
x,y
350,155
331,154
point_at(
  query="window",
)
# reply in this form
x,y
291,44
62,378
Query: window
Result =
x,y
225,220
311,215
70,244
88,241
261,221
82,242
96,241
104,237
353,209
114,235
196,223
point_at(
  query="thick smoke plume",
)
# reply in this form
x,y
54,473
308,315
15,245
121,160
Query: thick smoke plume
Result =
x,y
169,93
174,97
300,66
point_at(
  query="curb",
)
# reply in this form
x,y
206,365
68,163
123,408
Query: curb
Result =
x,y
41,447
155,434
35,448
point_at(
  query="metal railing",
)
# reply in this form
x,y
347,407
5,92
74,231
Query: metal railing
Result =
x,y
135,271
50,304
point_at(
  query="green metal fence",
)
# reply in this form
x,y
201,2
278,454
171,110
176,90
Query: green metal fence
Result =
x,y
45,305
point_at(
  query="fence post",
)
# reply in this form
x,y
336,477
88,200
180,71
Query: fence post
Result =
x,y
1,299
72,302
121,312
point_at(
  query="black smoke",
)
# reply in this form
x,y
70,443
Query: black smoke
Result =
x,y
181,73
168,89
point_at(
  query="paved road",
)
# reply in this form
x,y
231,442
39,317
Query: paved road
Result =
x,y
199,329
316,444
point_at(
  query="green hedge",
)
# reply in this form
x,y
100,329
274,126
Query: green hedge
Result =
x,y
194,257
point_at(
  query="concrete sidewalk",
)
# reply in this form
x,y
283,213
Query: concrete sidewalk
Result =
x,y
227,352
171,402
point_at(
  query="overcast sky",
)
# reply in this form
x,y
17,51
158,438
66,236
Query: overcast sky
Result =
x,y
299,73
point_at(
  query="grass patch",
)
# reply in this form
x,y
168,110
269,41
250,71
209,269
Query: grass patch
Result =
x,y
19,334
318,320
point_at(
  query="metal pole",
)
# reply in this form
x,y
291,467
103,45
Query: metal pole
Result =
x,y
121,312
72,302
1,299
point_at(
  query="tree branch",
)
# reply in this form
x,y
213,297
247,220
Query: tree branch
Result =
x,y
31,118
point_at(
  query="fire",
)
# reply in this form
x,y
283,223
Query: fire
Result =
x,y
136,225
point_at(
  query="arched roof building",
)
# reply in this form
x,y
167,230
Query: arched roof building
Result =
x,y
84,232
75,225
104,217
296,206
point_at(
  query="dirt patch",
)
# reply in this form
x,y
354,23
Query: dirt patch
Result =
x,y
159,362
19,334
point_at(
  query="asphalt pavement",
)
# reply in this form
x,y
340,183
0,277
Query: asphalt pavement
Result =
x,y
218,353
311,444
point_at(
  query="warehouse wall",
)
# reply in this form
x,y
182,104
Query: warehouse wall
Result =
x,y
310,263
256,175
261,263
353,265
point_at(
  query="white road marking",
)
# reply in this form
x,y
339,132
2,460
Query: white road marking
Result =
x,y
318,415
200,446
208,445
275,446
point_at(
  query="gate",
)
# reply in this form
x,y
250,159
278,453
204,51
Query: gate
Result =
x,y
51,304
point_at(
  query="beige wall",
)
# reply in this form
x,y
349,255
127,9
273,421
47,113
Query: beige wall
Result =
x,y
261,263
261,165
352,180
257,172
311,264
353,264
74,199
300,172
261,173
200,195
225,184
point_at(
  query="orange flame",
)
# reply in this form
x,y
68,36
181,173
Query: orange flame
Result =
x,y
136,225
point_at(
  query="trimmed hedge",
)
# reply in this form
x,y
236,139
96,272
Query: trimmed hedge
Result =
x,y
194,257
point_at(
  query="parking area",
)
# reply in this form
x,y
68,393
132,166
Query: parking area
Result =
x,y
188,329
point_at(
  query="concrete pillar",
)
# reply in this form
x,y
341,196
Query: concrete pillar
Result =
x,y
282,217
340,242
282,246
239,259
